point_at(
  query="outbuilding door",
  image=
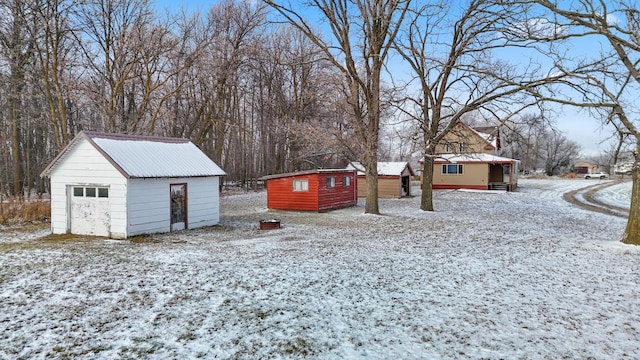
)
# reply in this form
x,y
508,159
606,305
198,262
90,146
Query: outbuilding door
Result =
x,y
178,194
406,186
89,210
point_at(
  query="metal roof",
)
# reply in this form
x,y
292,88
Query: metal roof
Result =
x,y
148,157
473,158
385,168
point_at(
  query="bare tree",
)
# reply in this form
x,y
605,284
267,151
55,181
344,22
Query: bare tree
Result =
x,y
610,79
216,76
523,138
557,152
450,50
364,31
55,51
17,47
114,49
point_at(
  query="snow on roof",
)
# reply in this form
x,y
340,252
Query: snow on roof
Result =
x,y
305,172
474,157
487,134
385,168
150,157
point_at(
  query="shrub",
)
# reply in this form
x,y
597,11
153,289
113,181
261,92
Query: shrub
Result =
x,y
16,210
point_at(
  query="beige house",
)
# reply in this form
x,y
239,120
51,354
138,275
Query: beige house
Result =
x,y
477,171
394,179
466,159
463,139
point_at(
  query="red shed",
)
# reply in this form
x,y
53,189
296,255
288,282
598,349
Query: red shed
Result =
x,y
313,190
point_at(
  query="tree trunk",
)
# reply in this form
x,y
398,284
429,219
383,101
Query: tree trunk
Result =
x,y
371,173
632,231
15,114
15,149
426,200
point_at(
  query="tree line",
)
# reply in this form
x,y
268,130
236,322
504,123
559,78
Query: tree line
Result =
x,y
275,86
245,90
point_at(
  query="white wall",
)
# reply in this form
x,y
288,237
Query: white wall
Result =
x,y
147,200
203,196
84,165
149,204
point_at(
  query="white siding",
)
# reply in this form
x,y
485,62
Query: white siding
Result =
x,y
84,165
149,204
203,202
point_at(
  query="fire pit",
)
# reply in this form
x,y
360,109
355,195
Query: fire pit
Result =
x,y
269,224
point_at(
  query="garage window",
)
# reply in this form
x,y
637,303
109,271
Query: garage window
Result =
x,y
79,191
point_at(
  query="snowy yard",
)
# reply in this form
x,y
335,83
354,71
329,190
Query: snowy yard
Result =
x,y
616,195
508,275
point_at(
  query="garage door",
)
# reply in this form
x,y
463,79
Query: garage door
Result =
x,y
89,212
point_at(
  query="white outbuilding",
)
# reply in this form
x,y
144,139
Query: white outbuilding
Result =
x,y
119,186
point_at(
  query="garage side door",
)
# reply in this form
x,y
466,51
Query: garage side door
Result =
x,y
89,211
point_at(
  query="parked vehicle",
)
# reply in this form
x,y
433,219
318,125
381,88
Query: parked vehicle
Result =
x,y
598,175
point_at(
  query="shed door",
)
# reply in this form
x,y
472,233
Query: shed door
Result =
x,y
89,211
406,186
178,206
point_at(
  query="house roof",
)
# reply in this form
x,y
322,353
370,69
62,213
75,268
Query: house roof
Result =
x,y
473,158
305,172
385,168
490,134
146,156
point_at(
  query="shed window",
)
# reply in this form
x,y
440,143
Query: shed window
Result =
x,y
452,169
103,192
79,191
301,185
346,181
331,182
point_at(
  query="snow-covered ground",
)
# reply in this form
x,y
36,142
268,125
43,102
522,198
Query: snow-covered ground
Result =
x,y
520,275
617,195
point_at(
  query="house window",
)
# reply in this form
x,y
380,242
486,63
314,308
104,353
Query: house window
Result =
x,y
90,192
103,192
448,148
301,185
452,169
463,147
331,182
78,191
346,181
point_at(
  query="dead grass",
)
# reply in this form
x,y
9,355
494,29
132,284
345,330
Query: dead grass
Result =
x,y
16,210
62,237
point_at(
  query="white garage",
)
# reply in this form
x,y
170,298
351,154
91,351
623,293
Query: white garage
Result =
x,y
119,186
